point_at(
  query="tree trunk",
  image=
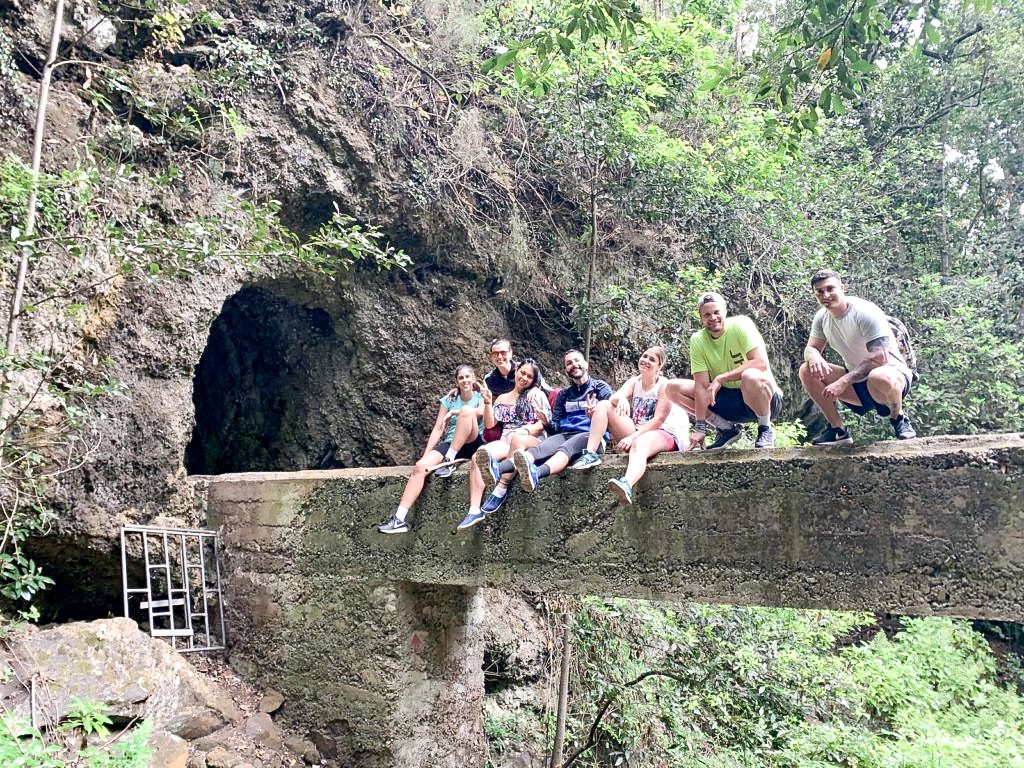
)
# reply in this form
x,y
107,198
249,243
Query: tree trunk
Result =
x,y
563,694
590,266
14,313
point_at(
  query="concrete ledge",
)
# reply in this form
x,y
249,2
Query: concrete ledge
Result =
x,y
928,526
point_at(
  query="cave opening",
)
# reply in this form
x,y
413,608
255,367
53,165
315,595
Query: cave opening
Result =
x,y
259,387
86,580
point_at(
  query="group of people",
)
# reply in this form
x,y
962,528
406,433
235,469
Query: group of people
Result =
x,y
512,426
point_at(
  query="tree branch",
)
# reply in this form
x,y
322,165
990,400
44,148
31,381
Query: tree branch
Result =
x,y
414,65
606,704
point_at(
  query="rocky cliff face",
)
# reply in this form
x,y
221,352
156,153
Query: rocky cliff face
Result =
x,y
230,363
225,361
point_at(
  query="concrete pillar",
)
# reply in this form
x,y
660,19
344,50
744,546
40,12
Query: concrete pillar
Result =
x,y
380,674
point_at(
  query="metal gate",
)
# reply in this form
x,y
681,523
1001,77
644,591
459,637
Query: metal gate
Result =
x,y
176,594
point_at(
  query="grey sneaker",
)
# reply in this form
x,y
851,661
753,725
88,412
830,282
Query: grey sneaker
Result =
x,y
394,525
471,519
446,468
765,436
902,427
833,436
724,438
587,460
622,490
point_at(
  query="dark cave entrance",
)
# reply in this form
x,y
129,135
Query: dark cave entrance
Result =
x,y
260,385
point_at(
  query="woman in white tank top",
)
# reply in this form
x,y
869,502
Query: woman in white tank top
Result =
x,y
642,420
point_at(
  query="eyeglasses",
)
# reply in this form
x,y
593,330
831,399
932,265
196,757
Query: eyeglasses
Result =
x,y
501,352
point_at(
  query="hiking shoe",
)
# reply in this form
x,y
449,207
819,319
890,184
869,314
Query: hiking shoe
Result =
x,y
446,469
725,437
833,436
902,427
493,503
488,466
588,460
394,525
622,490
765,436
471,519
527,471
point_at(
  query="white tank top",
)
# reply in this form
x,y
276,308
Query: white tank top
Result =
x,y
644,403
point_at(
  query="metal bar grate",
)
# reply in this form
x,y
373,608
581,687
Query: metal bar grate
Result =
x,y
171,583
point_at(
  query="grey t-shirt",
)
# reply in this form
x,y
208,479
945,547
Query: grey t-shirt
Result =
x,y
849,335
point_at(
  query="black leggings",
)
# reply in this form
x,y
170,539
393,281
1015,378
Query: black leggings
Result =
x,y
572,444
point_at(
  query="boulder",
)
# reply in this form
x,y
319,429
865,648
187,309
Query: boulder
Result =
x,y
261,729
114,662
220,757
271,701
303,747
195,723
168,750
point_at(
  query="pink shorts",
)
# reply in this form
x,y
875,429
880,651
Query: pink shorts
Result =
x,y
670,440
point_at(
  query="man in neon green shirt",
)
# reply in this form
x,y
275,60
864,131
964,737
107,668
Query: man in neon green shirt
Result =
x,y
732,380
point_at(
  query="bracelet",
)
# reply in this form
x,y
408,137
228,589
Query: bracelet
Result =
x,y
700,425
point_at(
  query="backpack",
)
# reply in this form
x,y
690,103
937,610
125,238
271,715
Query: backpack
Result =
x,y
902,335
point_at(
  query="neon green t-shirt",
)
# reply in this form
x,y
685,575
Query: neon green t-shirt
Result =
x,y
716,356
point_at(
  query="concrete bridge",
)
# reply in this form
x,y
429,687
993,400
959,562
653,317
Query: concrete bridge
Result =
x,y
378,638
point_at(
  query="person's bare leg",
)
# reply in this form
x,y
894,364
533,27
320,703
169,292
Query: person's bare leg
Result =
x,y
756,389
681,392
557,463
815,389
606,418
598,424
414,485
885,384
644,447
465,428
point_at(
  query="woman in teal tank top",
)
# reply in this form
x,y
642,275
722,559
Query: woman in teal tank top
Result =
x,y
456,435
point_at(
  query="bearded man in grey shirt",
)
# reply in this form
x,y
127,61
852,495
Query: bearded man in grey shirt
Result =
x,y
875,376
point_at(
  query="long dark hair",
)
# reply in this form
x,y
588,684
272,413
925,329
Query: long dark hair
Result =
x,y
522,402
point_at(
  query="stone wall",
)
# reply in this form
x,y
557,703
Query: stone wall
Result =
x,y
337,616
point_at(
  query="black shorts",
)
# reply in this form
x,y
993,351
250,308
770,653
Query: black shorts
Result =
x,y
868,403
730,406
465,451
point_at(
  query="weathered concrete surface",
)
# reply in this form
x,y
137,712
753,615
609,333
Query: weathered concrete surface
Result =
x,y
338,617
931,526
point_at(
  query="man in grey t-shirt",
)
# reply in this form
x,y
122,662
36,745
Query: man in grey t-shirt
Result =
x,y
875,376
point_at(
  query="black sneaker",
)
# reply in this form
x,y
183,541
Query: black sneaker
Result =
x,y
765,436
833,436
902,427
724,437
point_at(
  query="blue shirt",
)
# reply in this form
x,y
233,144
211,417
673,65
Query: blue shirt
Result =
x,y
570,411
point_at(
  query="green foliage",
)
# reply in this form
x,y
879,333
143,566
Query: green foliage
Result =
x,y
83,740
736,681
718,686
934,686
342,241
563,27
506,730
